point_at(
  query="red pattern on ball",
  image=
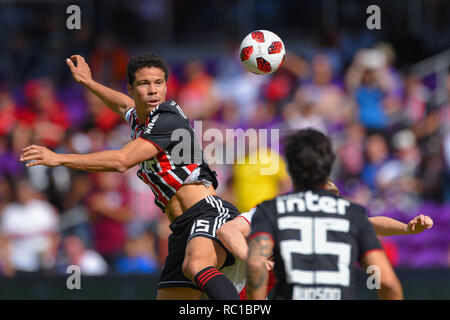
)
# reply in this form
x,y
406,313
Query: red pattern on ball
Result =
x,y
258,36
263,65
275,47
246,53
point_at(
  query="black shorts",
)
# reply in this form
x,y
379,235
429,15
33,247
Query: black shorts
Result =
x,y
201,220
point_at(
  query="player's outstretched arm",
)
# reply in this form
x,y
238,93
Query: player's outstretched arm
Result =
x,y
385,226
233,235
260,249
115,100
390,287
121,160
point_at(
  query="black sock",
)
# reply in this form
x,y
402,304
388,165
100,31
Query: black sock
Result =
x,y
216,285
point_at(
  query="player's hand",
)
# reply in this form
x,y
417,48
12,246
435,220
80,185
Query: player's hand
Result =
x,y
419,224
81,71
39,155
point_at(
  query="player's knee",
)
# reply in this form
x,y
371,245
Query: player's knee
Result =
x,y
196,261
186,268
192,265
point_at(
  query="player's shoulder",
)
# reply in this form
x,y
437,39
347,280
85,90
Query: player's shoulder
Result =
x,y
352,206
356,211
267,203
357,207
168,108
130,115
166,117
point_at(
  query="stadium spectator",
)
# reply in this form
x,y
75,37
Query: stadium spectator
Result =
x,y
8,164
415,100
251,186
300,113
74,217
445,132
43,113
377,153
6,198
30,231
8,111
374,89
100,115
109,211
91,263
139,256
397,179
324,95
198,92
351,151
109,60
143,208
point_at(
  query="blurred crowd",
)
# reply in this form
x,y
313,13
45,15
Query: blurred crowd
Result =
x,y
392,144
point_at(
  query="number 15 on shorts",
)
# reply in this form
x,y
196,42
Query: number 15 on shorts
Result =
x,y
200,226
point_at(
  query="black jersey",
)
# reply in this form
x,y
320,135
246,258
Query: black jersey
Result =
x,y
180,155
318,238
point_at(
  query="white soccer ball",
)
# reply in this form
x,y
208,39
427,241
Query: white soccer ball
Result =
x,y
262,52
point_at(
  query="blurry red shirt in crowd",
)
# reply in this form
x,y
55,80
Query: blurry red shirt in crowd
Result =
x,y
391,250
43,113
8,112
102,117
109,211
109,60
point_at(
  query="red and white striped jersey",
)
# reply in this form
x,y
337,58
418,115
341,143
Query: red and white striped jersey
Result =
x,y
180,156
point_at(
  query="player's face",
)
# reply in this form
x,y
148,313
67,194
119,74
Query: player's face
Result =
x,y
149,88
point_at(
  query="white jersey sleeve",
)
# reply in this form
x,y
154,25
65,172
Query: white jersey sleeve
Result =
x,y
248,215
129,115
237,272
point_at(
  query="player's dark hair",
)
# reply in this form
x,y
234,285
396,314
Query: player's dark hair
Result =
x,y
146,60
309,157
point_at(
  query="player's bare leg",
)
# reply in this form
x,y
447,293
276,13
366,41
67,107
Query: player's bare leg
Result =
x,y
202,249
179,293
200,253
202,259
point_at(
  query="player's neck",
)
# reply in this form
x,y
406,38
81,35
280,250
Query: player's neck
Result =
x,y
143,114
142,118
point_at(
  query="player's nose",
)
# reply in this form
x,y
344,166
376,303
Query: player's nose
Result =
x,y
152,90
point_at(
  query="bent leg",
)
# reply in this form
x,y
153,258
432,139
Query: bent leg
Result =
x,y
202,259
202,252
